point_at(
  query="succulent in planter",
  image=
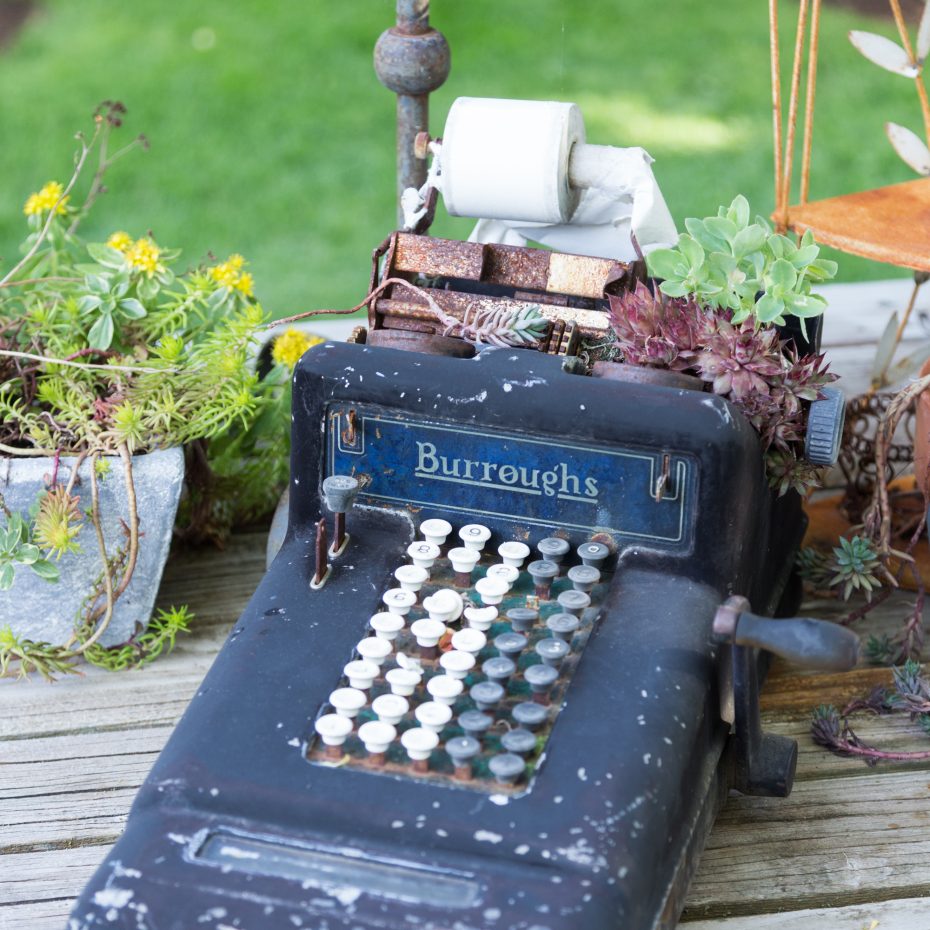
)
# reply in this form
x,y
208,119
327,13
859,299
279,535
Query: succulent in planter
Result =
x,y
112,358
713,315
725,262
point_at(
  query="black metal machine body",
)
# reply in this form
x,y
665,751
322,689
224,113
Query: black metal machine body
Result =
x,y
247,820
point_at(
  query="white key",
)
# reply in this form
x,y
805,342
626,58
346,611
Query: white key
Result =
x,y
464,559
492,590
423,553
427,632
513,553
377,735
361,673
375,649
445,605
403,681
433,715
399,601
435,531
456,597
457,664
390,708
333,729
480,618
411,577
474,535
387,625
445,688
469,640
419,743
503,572
348,701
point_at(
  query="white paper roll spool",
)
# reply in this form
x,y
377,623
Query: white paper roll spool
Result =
x,y
508,159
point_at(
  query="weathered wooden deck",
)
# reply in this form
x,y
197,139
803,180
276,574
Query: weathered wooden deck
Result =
x,y
849,850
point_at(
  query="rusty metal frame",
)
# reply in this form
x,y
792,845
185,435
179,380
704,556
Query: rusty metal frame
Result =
x,y
463,277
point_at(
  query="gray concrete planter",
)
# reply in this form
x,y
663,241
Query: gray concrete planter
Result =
x,y
46,612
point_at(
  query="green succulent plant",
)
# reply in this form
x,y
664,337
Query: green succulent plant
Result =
x,y
855,562
17,548
727,262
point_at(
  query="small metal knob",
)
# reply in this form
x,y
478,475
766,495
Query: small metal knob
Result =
x,y
583,577
522,618
552,549
510,644
529,715
339,492
564,626
486,695
593,553
825,427
475,723
507,767
520,742
541,678
499,669
552,651
574,602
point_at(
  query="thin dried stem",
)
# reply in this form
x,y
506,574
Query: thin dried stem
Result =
x,y
877,516
384,284
133,554
104,164
9,353
107,577
75,469
43,233
49,279
31,452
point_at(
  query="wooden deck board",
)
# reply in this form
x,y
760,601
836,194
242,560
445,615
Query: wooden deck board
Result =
x,y
849,847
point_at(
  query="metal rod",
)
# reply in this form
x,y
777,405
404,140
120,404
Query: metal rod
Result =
x,y
339,531
412,59
322,563
776,103
796,68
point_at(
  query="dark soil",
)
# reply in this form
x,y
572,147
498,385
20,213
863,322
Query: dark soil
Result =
x,y
13,13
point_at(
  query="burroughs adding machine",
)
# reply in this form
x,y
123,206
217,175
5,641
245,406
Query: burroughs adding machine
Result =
x,y
504,669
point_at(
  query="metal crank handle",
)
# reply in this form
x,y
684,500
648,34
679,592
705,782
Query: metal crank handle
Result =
x,y
811,643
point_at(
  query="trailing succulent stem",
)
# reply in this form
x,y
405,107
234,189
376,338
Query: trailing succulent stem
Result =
x,y
909,695
495,326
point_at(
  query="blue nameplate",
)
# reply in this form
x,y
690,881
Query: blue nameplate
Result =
x,y
488,475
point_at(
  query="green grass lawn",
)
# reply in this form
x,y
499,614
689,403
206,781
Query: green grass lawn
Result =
x,y
271,136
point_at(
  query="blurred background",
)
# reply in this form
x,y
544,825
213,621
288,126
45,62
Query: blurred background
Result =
x,y
271,136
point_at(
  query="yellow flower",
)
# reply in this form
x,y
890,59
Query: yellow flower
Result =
x,y
291,345
121,241
230,274
143,254
45,199
244,284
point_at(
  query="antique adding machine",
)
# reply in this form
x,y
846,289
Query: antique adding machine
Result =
x,y
504,668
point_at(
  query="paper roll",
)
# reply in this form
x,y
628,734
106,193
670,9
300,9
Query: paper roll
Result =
x,y
508,159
